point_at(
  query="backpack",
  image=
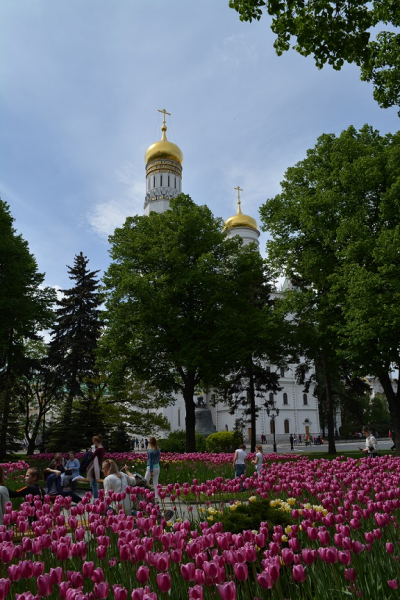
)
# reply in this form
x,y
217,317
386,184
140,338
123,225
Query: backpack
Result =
x,y
86,460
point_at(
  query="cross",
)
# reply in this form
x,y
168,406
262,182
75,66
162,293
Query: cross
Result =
x,y
165,113
239,189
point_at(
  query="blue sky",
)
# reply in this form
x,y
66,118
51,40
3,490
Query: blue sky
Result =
x,y
80,86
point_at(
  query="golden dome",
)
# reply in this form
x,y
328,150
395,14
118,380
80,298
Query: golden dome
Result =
x,y
240,220
164,149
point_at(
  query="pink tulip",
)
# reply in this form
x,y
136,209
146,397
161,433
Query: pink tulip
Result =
x,y
63,588
97,575
389,548
393,584
76,579
287,556
227,591
241,571
101,552
143,574
188,571
120,593
44,585
164,582
87,569
38,569
101,590
14,572
5,585
299,573
199,577
265,580
196,593
350,574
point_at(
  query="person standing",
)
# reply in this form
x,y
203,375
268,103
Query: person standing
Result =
x,y
258,459
4,496
239,461
371,445
291,439
93,470
153,465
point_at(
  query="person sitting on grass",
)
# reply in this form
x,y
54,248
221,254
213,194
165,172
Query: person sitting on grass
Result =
x,y
371,445
32,478
116,481
54,486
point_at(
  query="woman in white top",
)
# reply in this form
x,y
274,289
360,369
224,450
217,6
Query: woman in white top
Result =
x,y
371,445
4,497
117,481
258,459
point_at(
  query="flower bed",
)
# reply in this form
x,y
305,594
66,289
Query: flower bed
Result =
x,y
343,540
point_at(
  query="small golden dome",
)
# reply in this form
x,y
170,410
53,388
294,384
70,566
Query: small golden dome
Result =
x,y
240,220
164,149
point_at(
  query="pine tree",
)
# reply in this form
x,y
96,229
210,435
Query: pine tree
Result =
x,y
72,348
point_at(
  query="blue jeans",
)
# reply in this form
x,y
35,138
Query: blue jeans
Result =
x,y
95,489
239,470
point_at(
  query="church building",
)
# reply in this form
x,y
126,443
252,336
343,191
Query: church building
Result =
x,y
298,411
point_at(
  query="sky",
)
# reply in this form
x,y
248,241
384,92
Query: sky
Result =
x,y
80,88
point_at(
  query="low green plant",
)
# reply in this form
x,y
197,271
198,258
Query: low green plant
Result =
x,y
224,441
249,516
176,442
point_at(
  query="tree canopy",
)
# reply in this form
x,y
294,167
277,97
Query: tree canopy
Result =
x,y
26,309
335,32
335,233
174,294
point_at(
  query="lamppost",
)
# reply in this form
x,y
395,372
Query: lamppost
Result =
x,y
273,412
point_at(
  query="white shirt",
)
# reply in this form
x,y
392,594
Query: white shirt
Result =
x,y
259,460
371,441
119,484
240,456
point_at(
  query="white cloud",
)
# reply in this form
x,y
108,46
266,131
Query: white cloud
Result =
x,y
236,51
107,215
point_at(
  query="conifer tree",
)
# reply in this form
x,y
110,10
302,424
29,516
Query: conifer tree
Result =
x,y
72,349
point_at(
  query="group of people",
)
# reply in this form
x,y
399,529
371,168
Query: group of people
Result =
x,y
61,476
142,444
239,461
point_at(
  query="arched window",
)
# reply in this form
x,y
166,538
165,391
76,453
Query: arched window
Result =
x,y
285,400
305,399
282,372
272,426
271,397
179,417
226,428
286,425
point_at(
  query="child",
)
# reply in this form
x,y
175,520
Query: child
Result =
x,y
32,477
258,459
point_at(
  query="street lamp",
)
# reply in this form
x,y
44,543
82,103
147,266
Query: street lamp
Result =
x,y
273,412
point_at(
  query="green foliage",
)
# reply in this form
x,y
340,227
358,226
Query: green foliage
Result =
x,y
335,234
224,441
176,442
251,515
172,295
335,32
72,356
26,309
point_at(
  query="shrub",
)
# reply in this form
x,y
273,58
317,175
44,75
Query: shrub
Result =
x,y
176,442
224,441
249,516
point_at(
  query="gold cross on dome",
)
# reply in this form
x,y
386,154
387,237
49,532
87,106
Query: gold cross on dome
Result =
x,y
239,189
165,113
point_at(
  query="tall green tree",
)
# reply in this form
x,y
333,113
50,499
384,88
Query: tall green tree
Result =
x,y
172,293
72,352
26,309
338,31
336,232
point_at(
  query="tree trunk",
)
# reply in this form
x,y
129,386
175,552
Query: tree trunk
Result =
x,y
188,393
393,399
5,415
252,409
329,406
